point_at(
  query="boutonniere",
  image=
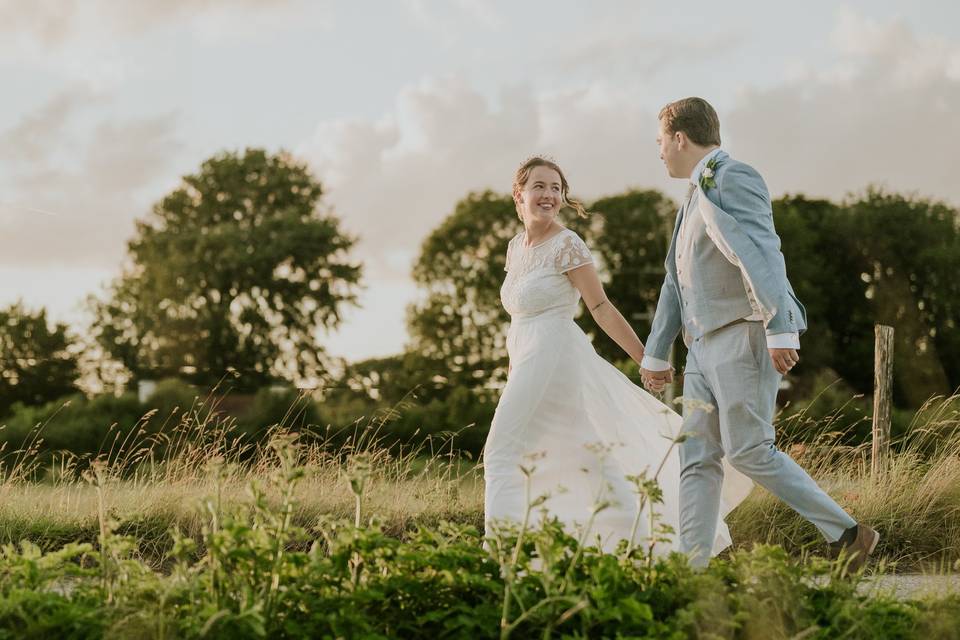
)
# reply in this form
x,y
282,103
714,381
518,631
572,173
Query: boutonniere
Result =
x,y
709,172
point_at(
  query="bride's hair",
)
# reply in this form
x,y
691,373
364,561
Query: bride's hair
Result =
x,y
523,174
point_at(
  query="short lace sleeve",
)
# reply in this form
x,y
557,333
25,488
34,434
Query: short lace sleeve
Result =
x,y
506,264
572,253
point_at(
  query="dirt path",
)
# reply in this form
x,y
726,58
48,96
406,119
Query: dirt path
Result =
x,y
912,585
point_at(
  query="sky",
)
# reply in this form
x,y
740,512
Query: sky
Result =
x,y
402,107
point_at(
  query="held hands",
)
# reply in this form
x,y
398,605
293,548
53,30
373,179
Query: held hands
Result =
x,y
655,381
784,359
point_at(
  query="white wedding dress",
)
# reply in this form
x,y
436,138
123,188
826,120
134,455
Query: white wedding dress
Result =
x,y
574,418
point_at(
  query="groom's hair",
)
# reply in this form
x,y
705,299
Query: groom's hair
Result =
x,y
695,118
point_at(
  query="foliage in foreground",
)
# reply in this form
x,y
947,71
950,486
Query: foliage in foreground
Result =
x,y
262,576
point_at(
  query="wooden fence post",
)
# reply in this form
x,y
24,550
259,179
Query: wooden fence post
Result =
x,y
882,397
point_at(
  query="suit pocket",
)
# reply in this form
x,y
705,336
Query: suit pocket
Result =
x,y
757,339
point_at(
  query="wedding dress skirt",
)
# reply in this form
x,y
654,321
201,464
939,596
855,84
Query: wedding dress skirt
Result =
x,y
576,423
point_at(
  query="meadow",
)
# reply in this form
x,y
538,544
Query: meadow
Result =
x,y
187,532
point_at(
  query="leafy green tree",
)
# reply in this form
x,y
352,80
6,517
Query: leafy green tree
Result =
x,y
907,249
36,361
460,325
825,276
239,268
408,401
879,258
629,233
389,380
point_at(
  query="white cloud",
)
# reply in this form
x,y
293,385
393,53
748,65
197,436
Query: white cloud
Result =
x,y
57,22
893,50
881,106
889,116
91,41
443,18
71,194
393,180
884,111
623,49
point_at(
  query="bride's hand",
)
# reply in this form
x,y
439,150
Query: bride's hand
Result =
x,y
655,381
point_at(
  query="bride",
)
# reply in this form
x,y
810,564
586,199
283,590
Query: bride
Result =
x,y
566,413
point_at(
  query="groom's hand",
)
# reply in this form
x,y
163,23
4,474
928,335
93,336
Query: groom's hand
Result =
x,y
784,359
655,381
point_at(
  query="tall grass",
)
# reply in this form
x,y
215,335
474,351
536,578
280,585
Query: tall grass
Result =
x,y
914,502
154,477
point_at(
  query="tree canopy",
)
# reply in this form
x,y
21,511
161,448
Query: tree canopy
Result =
x,y
37,364
238,268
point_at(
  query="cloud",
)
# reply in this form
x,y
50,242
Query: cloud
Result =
x,y
394,179
443,18
28,143
883,110
58,22
624,50
71,194
886,112
90,41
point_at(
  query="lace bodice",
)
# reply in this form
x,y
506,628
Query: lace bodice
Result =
x,y
535,281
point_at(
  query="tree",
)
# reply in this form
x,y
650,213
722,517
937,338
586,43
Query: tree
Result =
x,y
461,326
878,258
37,364
237,269
629,233
881,258
907,250
825,276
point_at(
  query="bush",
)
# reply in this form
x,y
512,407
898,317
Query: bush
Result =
x,y
272,407
262,576
171,399
835,408
76,424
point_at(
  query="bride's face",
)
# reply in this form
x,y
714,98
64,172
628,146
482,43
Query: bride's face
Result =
x,y
541,197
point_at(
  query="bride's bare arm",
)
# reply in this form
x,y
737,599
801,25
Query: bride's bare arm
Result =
x,y
587,282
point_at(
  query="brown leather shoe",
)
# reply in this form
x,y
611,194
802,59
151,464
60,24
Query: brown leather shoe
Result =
x,y
857,551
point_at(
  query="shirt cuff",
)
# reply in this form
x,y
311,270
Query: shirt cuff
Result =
x,y
654,364
783,341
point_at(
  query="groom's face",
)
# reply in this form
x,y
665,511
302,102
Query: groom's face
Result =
x,y
669,146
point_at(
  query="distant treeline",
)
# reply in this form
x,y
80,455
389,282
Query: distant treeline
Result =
x,y
241,269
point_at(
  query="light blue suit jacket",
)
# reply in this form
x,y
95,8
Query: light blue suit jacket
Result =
x,y
739,216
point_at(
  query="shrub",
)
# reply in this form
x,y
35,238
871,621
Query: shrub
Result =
x,y
82,426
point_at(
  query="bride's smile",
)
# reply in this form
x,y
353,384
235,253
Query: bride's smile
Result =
x,y
538,202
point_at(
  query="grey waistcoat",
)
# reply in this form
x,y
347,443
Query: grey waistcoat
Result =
x,y
712,292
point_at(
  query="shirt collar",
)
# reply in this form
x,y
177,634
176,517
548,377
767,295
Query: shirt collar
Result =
x,y
697,170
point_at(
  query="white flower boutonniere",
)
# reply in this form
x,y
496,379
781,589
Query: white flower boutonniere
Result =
x,y
707,176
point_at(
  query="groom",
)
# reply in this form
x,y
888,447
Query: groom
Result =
x,y
726,288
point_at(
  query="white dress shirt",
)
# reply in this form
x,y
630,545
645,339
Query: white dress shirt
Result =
x,y
775,341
